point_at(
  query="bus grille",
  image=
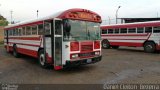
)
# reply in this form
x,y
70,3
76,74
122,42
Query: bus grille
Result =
x,y
87,48
87,54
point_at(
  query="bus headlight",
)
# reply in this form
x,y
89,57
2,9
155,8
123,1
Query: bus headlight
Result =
x,y
74,56
97,53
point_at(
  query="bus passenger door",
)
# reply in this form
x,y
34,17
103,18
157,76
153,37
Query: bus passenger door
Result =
x,y
48,27
57,44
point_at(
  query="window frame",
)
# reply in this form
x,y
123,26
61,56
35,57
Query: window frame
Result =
x,y
130,29
156,30
123,29
35,29
141,30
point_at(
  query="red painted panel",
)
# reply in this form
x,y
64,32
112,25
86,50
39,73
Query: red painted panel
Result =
x,y
124,39
158,47
96,44
145,34
74,46
49,59
126,44
28,52
25,38
72,14
86,46
25,44
58,67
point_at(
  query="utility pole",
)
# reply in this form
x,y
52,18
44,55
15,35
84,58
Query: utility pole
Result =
x,y
157,14
117,14
37,13
11,16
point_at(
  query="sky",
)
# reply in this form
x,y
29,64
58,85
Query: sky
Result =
x,y
27,9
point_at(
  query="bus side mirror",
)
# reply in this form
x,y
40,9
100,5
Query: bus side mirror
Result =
x,y
67,27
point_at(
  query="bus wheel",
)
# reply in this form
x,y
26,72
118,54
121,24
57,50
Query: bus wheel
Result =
x,y
15,53
41,58
105,44
115,47
149,47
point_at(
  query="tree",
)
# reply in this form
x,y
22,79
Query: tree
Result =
x,y
3,21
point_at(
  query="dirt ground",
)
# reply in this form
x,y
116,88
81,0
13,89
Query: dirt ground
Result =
x,y
125,65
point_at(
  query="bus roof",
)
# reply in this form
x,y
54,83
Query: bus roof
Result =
x,y
62,15
132,25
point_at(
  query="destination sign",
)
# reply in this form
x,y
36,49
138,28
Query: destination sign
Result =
x,y
85,15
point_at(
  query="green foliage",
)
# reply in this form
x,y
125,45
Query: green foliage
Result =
x,y
3,21
1,43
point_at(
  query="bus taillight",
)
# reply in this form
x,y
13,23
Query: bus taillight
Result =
x,y
96,44
74,46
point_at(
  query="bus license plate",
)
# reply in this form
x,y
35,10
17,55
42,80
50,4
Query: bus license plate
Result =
x,y
89,60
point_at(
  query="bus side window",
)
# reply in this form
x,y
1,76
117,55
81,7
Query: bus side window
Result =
x,y
110,31
132,30
140,30
47,28
13,32
5,34
20,31
34,30
28,30
58,27
104,31
116,30
148,29
16,32
24,30
123,30
40,29
156,29
10,32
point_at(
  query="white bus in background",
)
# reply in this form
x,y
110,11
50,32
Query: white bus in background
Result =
x,y
141,34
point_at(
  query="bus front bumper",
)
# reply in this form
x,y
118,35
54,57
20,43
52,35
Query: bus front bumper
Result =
x,y
83,61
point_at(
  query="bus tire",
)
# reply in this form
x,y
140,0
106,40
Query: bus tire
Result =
x,y
105,44
41,59
149,47
15,52
115,47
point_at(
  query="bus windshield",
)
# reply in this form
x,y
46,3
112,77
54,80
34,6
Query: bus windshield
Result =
x,y
81,30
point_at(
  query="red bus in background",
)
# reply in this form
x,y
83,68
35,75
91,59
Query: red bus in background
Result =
x,y
70,37
141,34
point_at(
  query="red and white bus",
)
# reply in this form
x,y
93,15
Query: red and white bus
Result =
x,y
141,34
70,37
